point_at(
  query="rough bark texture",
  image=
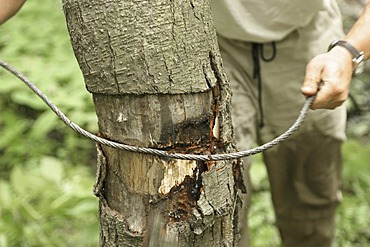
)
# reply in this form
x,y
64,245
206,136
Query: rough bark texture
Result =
x,y
141,46
156,77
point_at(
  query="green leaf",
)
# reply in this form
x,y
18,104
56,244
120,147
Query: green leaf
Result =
x,y
3,240
19,180
52,169
84,207
5,196
8,84
62,201
31,211
7,137
27,99
44,124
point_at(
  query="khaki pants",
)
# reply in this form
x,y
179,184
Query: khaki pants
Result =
x,y
304,170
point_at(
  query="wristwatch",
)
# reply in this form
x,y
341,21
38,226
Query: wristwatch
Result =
x,y
357,57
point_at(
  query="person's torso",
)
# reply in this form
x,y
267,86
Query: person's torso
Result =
x,y
263,21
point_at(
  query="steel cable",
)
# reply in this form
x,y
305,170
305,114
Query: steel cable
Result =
x,y
161,153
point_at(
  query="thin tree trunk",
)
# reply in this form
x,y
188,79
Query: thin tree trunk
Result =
x,y
154,70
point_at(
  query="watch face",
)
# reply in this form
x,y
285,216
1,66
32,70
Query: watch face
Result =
x,y
359,64
360,68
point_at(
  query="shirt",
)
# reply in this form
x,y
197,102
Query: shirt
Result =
x,y
263,20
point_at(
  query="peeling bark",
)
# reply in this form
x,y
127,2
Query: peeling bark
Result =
x,y
156,77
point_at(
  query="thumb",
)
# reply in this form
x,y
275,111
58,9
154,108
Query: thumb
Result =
x,y
311,81
309,86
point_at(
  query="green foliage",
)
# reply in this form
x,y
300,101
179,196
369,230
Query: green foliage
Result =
x,y
353,217
359,108
45,168
36,42
262,229
354,213
46,204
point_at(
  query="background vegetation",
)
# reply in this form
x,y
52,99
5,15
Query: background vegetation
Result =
x,y
47,171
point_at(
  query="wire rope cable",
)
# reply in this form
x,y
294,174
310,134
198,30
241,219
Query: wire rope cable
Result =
x,y
158,152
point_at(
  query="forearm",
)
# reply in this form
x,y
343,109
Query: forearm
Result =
x,y
8,8
359,35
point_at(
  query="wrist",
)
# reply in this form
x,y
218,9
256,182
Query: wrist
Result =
x,y
356,56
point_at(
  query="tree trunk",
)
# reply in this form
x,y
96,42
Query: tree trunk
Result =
x,y
154,70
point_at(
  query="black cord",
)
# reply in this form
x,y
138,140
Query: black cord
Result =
x,y
257,52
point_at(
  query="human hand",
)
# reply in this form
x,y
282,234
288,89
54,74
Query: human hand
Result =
x,y
329,75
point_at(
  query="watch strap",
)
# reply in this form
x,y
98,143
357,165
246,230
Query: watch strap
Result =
x,y
354,52
357,57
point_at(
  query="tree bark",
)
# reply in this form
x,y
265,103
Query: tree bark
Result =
x,y
155,73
